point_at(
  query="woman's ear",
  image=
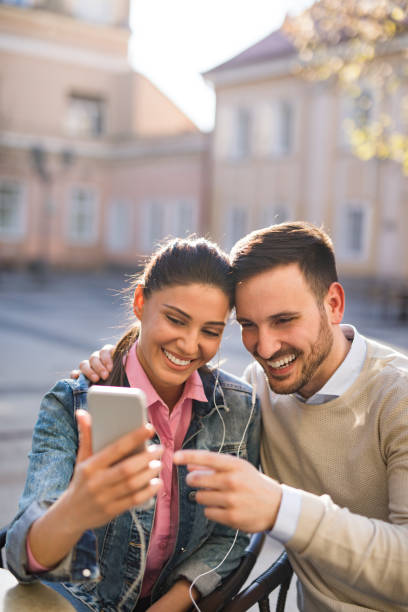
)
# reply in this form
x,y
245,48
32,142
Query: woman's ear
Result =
x,y
138,301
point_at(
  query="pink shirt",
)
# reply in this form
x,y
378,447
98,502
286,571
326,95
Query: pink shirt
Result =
x,y
171,429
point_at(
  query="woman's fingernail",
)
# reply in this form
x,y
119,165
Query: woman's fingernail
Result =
x,y
153,448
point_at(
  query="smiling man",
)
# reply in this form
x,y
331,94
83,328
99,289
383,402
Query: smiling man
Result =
x,y
335,430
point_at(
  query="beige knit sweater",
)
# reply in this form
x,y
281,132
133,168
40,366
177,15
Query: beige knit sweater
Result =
x,y
350,458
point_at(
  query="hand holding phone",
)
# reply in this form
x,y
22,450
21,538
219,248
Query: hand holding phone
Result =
x,y
116,411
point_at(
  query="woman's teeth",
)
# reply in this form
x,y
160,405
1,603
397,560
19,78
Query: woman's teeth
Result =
x,y
284,361
175,360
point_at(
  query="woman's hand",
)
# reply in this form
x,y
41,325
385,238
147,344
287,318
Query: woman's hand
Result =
x,y
102,486
110,482
98,366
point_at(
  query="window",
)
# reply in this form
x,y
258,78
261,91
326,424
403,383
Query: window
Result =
x,y
167,218
82,227
282,127
182,219
241,134
86,116
236,225
355,113
362,109
119,227
354,230
273,213
11,210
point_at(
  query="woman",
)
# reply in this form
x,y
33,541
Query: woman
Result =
x,y
74,529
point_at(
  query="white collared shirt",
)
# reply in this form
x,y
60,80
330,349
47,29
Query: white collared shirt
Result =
x,y
341,380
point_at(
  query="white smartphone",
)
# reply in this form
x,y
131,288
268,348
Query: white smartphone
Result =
x,y
115,411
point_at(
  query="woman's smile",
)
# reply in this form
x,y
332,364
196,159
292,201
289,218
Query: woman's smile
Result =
x,y
177,360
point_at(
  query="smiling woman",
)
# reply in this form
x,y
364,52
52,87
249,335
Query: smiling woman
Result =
x,y
78,528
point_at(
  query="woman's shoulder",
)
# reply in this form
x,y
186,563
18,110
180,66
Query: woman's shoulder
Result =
x,y
65,392
70,385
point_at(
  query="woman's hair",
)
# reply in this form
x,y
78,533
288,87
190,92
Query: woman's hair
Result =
x,y
180,261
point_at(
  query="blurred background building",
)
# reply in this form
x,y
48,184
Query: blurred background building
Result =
x,y
96,164
281,152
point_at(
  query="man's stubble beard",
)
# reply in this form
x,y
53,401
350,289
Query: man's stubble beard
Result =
x,y
311,364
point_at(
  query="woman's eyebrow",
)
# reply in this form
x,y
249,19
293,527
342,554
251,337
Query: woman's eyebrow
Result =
x,y
184,314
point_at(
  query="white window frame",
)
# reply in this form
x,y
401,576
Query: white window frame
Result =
x,y
346,250
348,111
163,218
271,214
90,236
85,116
119,226
242,133
283,127
236,224
17,229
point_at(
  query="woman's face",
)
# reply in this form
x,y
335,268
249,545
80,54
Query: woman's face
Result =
x,y
181,330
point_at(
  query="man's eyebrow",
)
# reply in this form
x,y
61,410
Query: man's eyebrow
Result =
x,y
187,316
273,317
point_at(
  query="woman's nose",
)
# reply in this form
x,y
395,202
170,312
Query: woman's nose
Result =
x,y
188,343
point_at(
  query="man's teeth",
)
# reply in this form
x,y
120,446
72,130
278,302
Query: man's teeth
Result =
x,y
175,360
284,361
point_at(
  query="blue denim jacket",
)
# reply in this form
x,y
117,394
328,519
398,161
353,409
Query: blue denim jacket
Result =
x,y
105,561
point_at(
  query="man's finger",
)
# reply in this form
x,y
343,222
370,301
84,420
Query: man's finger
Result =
x,y
204,479
87,371
216,461
105,356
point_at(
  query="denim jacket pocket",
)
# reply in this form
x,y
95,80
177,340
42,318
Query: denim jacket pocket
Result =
x,y
236,448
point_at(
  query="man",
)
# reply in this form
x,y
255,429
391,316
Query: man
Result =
x,y
335,430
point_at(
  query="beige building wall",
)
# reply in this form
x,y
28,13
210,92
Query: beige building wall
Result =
x,y
91,153
279,153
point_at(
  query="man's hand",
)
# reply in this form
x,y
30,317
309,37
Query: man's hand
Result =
x,y
233,491
98,366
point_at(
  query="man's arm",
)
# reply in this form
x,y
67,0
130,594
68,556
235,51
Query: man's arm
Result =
x,y
365,556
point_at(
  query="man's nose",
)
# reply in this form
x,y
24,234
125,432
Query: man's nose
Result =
x,y
268,344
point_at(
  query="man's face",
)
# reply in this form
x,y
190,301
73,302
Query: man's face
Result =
x,y
286,330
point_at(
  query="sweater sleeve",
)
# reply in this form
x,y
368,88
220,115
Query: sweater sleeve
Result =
x,y
366,554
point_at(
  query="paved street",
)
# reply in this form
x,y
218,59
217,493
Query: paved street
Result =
x,y
47,327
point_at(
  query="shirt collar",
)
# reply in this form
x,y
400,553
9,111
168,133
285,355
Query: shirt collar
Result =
x,y
193,387
347,372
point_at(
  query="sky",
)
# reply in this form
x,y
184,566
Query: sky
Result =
x,y
173,41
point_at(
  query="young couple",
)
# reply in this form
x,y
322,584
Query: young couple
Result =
x,y
335,433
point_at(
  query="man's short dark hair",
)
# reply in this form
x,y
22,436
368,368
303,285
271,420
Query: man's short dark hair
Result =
x,y
286,243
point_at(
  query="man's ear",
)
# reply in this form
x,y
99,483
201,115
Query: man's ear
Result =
x,y
138,301
335,303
